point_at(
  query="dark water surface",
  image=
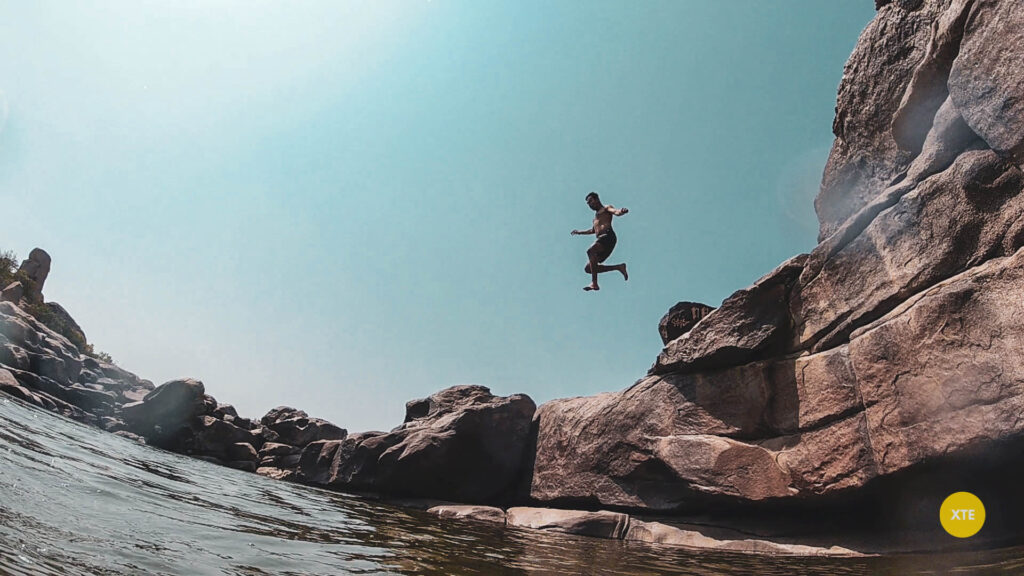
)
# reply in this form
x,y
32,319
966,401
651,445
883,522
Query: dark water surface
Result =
x,y
75,500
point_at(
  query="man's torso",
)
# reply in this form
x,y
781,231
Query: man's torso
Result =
x,y
602,221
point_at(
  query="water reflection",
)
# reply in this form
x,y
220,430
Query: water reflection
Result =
x,y
74,500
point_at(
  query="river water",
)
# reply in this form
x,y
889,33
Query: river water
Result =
x,y
75,500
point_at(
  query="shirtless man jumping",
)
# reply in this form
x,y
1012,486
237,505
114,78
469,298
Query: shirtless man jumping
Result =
x,y
602,247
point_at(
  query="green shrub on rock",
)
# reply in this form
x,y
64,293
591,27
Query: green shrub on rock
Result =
x,y
51,314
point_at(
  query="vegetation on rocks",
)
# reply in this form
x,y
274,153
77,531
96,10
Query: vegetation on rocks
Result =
x,y
9,269
44,312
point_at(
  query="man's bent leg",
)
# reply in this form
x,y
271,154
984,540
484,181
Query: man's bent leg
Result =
x,y
592,267
618,267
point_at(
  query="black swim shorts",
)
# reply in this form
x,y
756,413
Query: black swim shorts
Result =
x,y
606,241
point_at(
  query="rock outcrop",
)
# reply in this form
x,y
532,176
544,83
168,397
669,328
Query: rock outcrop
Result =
x,y
865,158
970,212
751,323
275,415
36,268
287,432
45,363
462,444
42,366
300,431
58,316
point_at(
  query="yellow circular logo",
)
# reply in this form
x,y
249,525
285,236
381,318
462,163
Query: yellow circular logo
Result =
x,y
962,514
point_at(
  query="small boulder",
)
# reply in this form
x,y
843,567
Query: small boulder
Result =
x,y
303,430
601,524
209,404
242,422
165,410
111,424
91,400
488,514
275,473
10,385
316,461
658,533
282,413
461,444
88,376
132,395
223,410
681,318
243,465
274,449
265,434
216,438
290,462
276,455
117,374
128,435
13,293
14,356
242,451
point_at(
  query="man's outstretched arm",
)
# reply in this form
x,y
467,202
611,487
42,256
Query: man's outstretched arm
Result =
x,y
578,232
617,211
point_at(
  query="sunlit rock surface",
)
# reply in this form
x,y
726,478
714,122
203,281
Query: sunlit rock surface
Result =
x,y
892,350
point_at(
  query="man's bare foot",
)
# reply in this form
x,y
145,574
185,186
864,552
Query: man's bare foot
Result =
x,y
625,276
591,287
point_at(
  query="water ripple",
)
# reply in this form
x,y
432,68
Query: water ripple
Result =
x,y
75,500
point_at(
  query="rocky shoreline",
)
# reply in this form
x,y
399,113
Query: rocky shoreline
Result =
x,y
837,400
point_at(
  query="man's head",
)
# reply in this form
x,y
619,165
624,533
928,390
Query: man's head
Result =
x,y
593,201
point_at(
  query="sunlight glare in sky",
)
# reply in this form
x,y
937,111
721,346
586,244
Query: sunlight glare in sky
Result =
x,y
344,205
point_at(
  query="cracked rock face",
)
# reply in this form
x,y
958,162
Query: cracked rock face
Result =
x,y
970,212
986,79
865,158
894,346
943,372
938,374
679,440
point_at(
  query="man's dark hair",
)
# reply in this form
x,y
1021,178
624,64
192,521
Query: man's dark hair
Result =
x,y
592,194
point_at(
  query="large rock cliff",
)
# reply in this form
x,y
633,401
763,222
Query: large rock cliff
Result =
x,y
892,348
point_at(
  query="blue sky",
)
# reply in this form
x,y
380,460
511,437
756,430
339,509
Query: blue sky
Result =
x,y
342,206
